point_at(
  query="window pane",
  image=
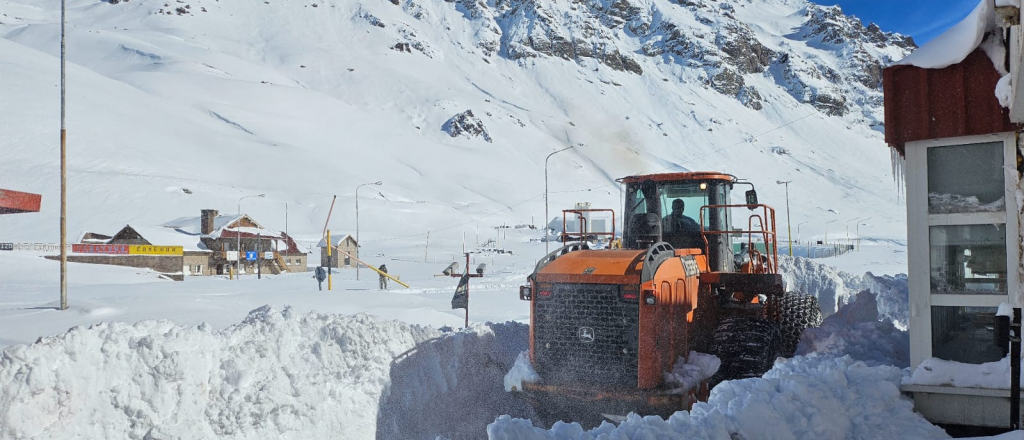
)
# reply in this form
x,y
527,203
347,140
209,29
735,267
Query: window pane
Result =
x,y
968,259
966,178
964,334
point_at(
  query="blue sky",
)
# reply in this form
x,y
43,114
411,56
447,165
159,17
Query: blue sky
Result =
x,y
921,19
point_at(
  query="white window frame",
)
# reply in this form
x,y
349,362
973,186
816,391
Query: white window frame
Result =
x,y
919,222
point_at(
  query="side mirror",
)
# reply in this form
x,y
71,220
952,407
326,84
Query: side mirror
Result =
x,y
525,293
751,198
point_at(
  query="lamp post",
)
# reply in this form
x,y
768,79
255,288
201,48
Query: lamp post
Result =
x,y
789,229
238,236
848,229
359,243
826,231
546,218
858,231
798,227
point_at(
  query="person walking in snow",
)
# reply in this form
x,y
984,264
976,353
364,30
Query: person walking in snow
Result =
x,y
383,279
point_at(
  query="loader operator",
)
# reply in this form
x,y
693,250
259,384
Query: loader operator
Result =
x,y
680,231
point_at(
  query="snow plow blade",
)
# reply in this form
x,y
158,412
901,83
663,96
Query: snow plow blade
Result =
x,y
589,406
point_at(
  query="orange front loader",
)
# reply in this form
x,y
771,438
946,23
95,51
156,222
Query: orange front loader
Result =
x,y
605,325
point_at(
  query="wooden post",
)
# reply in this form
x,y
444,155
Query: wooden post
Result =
x,y
63,171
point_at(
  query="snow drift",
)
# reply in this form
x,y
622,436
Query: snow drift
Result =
x,y
277,374
835,288
856,331
808,397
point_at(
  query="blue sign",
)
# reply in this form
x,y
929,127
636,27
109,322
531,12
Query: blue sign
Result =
x,y
250,255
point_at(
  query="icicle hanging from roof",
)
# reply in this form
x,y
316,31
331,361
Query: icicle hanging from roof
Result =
x,y
898,164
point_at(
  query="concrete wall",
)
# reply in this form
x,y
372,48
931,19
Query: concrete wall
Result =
x,y
169,265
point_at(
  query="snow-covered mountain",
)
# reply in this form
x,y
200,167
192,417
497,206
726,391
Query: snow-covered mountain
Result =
x,y
179,105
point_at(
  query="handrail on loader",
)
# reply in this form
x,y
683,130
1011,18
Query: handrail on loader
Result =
x,y
767,234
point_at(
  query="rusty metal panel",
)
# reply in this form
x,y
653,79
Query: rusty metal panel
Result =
x,y
14,202
958,100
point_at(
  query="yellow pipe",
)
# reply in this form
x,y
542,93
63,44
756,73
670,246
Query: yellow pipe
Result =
x,y
329,246
373,268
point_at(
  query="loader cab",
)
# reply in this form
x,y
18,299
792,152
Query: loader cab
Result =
x,y
649,217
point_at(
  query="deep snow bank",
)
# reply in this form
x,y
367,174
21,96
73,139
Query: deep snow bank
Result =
x,y
834,287
807,397
452,386
856,330
831,286
277,374
274,375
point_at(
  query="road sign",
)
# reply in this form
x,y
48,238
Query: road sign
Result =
x,y
250,255
6,246
155,250
268,255
231,255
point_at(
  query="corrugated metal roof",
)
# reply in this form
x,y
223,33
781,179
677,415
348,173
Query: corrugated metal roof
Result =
x,y
958,100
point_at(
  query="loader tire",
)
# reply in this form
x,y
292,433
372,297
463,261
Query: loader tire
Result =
x,y
799,312
702,330
747,347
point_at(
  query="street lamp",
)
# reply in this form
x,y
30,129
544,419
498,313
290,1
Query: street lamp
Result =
x,y
789,229
359,243
848,229
546,218
858,231
826,231
238,235
798,228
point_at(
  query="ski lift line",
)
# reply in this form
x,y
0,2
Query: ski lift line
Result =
x,y
508,208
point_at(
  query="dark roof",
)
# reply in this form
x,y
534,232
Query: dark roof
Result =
x,y
958,100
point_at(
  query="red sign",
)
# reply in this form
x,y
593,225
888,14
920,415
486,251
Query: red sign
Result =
x,y
13,202
111,249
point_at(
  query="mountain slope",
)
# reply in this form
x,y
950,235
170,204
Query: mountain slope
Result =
x,y
302,101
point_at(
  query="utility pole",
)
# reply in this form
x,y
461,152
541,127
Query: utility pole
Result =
x,y
359,243
259,259
789,229
63,169
546,218
238,234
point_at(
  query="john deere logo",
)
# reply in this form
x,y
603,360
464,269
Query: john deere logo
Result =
x,y
586,334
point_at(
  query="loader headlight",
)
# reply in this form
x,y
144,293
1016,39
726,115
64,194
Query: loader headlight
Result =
x,y
649,298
